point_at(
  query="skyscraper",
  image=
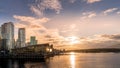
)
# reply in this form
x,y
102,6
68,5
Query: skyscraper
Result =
x,y
7,32
0,33
33,40
0,39
21,37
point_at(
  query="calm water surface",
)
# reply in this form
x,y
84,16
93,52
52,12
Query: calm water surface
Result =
x,y
70,60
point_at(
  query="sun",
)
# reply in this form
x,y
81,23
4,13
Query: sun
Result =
x,y
73,40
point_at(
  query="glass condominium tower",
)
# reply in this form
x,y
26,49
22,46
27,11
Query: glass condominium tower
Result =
x,y
7,32
21,37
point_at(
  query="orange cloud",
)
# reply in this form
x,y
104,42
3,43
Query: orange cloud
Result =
x,y
34,27
93,1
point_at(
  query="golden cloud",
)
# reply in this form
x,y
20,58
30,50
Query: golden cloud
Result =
x,y
34,27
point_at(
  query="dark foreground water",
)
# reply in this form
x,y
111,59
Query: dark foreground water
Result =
x,y
70,60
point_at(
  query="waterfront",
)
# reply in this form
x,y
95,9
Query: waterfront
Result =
x,y
69,60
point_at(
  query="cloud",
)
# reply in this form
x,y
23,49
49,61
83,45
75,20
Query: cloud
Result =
x,y
87,15
31,19
93,1
40,6
34,27
37,11
96,41
100,41
91,15
118,12
115,36
30,22
109,10
88,1
72,1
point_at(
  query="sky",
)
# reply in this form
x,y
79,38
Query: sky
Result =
x,y
73,23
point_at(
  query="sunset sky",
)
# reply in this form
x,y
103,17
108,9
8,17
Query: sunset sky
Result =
x,y
79,23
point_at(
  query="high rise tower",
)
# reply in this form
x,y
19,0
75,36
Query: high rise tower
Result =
x,y
33,40
7,32
0,32
21,37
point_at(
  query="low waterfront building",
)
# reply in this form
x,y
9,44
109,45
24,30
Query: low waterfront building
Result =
x,y
39,48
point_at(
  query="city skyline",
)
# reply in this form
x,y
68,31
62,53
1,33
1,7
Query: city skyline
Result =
x,y
7,40
93,23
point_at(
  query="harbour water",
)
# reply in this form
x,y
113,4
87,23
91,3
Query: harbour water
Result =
x,y
69,60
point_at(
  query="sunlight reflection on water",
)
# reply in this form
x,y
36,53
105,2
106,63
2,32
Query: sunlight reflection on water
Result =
x,y
72,59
